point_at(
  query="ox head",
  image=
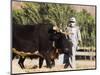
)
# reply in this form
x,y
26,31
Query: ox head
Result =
x,y
61,43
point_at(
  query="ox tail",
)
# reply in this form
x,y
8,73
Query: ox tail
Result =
x,y
23,54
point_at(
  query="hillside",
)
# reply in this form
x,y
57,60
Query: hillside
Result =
x,y
89,9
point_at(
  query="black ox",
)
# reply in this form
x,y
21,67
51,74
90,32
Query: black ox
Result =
x,y
38,40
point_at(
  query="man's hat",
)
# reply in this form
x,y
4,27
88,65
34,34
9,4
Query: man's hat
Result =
x,y
72,19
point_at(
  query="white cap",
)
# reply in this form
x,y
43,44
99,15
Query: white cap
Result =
x,y
72,19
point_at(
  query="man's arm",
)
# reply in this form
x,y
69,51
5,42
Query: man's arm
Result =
x,y
67,31
79,35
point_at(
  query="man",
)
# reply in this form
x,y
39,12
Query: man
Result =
x,y
73,34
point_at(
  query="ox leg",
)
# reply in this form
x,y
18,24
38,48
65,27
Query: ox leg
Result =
x,y
53,62
40,62
21,62
49,63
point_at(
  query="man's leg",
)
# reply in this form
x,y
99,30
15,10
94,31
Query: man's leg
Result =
x,y
66,60
73,57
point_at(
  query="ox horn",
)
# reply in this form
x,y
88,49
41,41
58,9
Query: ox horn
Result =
x,y
55,28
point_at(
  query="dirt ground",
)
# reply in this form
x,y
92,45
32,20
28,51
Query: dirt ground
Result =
x,y
32,66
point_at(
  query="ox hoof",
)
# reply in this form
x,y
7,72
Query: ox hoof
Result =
x,y
53,64
35,66
49,66
66,65
22,66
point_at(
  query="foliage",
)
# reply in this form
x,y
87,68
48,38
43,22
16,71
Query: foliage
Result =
x,y
88,28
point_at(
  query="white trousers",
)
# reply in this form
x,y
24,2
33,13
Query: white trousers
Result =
x,y
72,59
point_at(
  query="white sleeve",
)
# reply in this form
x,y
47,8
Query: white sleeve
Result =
x,y
79,34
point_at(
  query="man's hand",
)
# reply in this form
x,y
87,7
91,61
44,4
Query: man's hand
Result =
x,y
80,42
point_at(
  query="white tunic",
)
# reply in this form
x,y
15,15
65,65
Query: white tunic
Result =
x,y
74,35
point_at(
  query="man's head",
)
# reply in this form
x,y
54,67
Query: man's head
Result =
x,y
72,21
